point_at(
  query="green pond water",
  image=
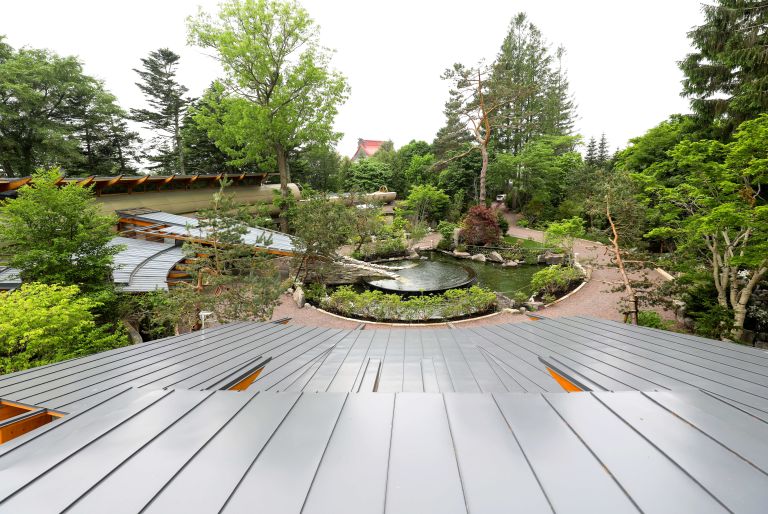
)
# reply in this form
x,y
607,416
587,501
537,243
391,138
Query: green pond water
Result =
x,y
441,272
492,276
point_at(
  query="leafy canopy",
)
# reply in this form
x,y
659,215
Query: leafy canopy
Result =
x,y
42,323
57,234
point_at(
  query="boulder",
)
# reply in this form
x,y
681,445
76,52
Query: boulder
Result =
x,y
554,259
541,259
479,257
523,310
299,298
461,255
495,257
534,306
509,264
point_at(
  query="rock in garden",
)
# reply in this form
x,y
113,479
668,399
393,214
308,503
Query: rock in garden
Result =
x,y
478,257
534,306
462,255
509,264
495,257
523,310
554,259
299,298
541,259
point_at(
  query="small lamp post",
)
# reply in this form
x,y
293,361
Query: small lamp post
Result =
x,y
203,315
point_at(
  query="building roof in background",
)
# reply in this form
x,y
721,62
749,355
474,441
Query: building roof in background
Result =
x,y
366,148
201,451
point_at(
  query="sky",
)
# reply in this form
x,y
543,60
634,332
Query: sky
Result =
x,y
621,56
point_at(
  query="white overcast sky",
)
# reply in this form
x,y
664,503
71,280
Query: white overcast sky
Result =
x,y
621,61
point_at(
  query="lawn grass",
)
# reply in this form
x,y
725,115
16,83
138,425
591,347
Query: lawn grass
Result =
x,y
525,243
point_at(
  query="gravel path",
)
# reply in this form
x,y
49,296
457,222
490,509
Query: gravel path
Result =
x,y
594,299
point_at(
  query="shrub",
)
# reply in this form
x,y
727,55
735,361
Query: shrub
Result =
x,y
652,319
522,223
368,175
563,234
316,293
446,229
427,203
554,280
42,323
380,306
480,226
503,223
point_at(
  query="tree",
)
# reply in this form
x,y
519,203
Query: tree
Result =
x,y
367,175
590,159
231,278
40,324
318,166
563,234
725,77
469,100
167,106
51,114
279,91
603,152
480,226
57,234
426,203
321,226
542,105
719,211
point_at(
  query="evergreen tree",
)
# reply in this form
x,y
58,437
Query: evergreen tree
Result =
x,y
167,106
726,78
543,104
603,153
591,158
453,137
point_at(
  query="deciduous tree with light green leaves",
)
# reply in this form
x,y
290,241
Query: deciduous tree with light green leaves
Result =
x,y
42,323
279,92
720,212
57,234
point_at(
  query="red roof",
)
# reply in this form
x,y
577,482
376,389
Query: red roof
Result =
x,y
368,146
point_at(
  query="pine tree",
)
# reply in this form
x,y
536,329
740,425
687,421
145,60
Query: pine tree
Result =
x,y
453,137
168,105
603,153
726,78
591,158
544,105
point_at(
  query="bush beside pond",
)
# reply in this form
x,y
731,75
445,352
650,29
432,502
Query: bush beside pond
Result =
x,y
380,306
555,281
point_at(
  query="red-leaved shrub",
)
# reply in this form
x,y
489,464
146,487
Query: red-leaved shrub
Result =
x,y
480,226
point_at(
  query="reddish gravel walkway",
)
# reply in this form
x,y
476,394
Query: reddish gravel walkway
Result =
x,y
594,299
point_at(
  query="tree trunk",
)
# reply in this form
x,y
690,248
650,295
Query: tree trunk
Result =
x,y
282,167
179,146
483,170
632,296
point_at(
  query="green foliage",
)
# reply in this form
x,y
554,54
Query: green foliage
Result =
x,y
725,74
502,220
555,280
316,293
563,234
380,306
54,114
652,319
57,235
367,175
168,105
40,324
427,203
480,226
446,230
229,277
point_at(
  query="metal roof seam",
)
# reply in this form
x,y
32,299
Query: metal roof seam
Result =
x,y
139,449
357,332
704,432
522,450
592,451
661,451
163,395
455,452
325,449
452,334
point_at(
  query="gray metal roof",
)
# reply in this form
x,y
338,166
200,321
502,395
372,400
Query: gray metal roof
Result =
x,y
496,358
144,265
198,452
9,278
182,226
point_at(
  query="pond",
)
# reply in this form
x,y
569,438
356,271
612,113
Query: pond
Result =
x,y
441,272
